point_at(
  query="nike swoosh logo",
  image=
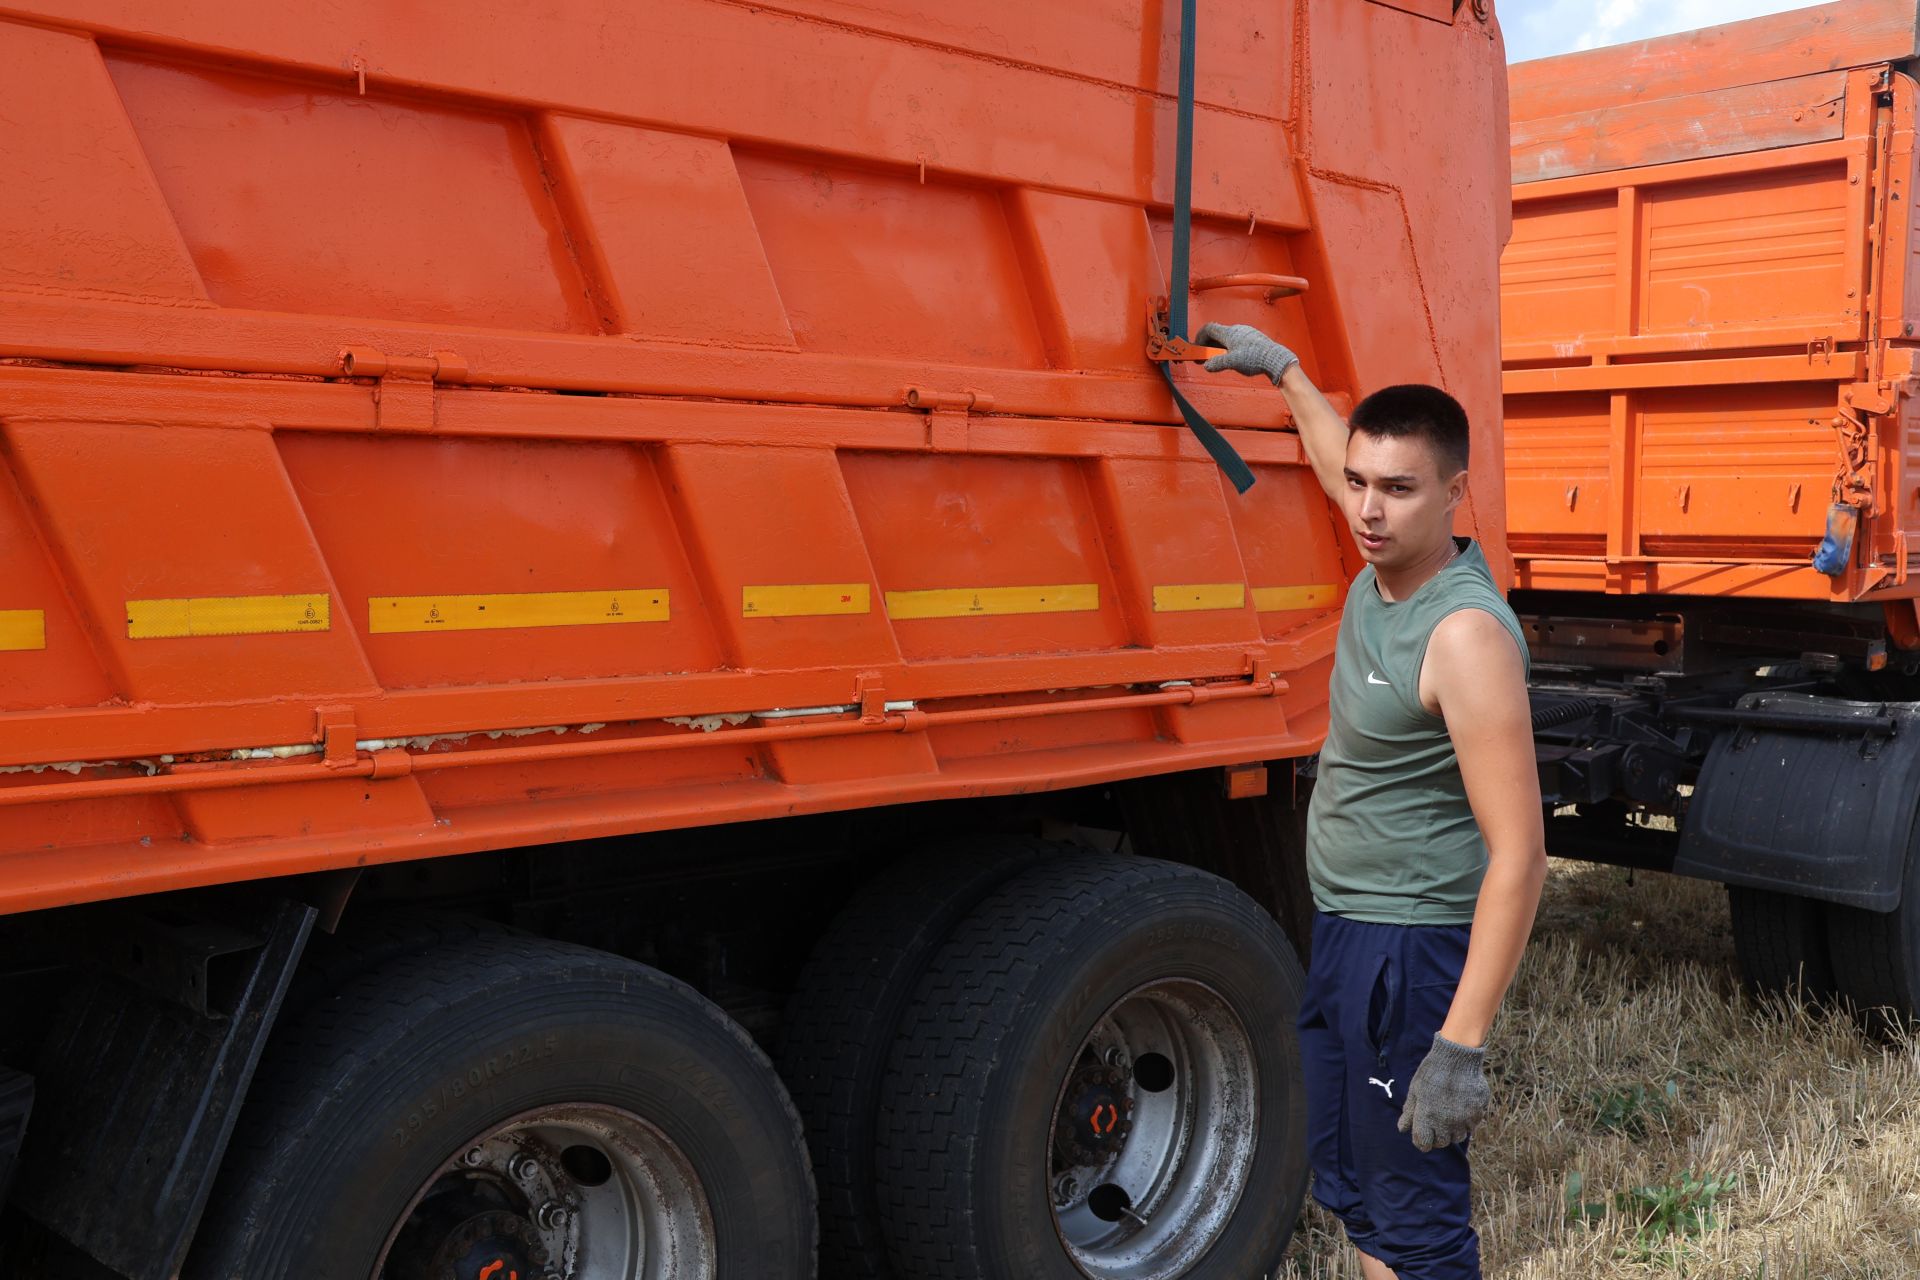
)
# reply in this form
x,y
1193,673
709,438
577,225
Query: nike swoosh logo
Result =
x,y
1374,679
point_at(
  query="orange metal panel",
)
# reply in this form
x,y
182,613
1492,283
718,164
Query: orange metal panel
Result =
x,y
495,516
1560,277
755,72
407,209
59,104
664,228
885,262
1738,252
810,322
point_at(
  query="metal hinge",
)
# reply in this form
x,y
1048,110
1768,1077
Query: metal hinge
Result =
x,y
947,416
404,398
1854,482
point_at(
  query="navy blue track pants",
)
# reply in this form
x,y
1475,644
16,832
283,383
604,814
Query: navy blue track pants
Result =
x,y
1376,994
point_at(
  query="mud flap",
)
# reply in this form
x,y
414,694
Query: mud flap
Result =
x,y
144,1079
16,1104
1816,812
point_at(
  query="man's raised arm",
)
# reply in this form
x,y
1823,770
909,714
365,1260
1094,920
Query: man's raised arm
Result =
x,y
1323,433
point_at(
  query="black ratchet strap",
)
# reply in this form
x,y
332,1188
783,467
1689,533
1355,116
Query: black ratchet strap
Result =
x,y
1211,440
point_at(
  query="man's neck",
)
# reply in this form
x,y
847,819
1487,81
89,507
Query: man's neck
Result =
x,y
1398,584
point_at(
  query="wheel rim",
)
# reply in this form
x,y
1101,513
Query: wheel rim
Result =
x,y
1154,1133
561,1193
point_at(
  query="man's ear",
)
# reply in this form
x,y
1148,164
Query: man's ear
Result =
x,y
1457,489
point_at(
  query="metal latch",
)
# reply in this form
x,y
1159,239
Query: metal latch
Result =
x,y
404,398
1163,346
337,735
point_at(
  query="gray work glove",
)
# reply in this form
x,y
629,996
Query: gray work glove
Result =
x,y
1248,351
1448,1096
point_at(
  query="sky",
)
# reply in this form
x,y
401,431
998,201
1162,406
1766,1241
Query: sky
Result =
x,y
1539,28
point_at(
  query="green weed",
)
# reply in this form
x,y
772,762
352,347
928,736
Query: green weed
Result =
x,y
1663,1216
1628,1111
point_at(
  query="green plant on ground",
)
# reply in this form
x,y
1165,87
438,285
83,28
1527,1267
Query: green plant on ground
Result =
x,y
1663,1215
1629,1110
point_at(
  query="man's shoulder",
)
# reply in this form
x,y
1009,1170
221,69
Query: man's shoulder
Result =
x,y
1474,626
1472,647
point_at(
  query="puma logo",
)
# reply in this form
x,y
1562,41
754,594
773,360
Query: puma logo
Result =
x,y
1374,679
1386,1085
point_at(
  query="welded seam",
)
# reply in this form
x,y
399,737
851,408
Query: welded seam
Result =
x,y
1413,249
1299,101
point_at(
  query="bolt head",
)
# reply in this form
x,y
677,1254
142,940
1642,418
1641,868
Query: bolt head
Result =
x,y
474,1158
523,1167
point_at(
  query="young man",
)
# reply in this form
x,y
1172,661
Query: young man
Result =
x,y
1425,843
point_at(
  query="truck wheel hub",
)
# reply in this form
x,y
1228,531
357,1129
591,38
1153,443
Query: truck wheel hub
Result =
x,y
490,1246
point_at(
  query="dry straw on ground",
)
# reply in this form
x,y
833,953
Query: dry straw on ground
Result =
x,y
1652,1120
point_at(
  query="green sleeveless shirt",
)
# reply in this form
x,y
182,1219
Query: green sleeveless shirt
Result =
x,y
1390,837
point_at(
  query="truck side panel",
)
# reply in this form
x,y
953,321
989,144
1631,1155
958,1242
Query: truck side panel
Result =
x,y
422,439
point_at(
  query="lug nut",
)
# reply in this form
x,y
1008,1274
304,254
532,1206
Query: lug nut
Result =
x,y
522,1167
1117,1058
551,1216
1065,1188
474,1158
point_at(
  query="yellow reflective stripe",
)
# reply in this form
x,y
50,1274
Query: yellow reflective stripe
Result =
x,y
388,614
23,629
227,616
806,600
1185,597
1279,599
972,602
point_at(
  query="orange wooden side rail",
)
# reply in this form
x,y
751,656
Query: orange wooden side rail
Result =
x,y
1708,311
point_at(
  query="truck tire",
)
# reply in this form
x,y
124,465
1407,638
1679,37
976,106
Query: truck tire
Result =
x,y
1876,954
1780,941
1099,1076
372,939
505,1098
1876,959
841,1022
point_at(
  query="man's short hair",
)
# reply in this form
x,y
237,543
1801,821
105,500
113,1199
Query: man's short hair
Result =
x,y
1416,411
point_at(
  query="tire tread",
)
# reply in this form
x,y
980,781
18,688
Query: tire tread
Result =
x,y
968,1005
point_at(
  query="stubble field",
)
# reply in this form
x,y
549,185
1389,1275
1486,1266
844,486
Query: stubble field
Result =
x,y
1653,1120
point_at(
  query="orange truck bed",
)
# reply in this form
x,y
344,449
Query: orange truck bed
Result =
x,y
421,435
1708,308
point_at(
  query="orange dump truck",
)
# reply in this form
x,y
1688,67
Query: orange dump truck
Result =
x,y
1708,316
550,548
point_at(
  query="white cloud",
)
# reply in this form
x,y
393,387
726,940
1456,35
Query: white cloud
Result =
x,y
1540,28
1610,21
